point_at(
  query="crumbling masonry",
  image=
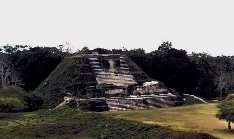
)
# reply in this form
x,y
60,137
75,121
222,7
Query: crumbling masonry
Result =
x,y
104,82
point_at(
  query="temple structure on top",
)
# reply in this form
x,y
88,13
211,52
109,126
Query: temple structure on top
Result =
x,y
112,70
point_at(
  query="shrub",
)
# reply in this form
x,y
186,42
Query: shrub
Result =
x,y
226,112
33,102
15,99
11,104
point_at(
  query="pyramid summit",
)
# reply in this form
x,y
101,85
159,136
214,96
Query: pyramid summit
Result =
x,y
113,79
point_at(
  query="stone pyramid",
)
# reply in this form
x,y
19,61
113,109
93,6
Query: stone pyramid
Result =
x,y
91,76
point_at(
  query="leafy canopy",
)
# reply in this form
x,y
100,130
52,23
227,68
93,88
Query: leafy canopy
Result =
x,y
226,111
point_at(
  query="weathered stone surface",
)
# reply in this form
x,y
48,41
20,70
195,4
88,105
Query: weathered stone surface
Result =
x,y
87,78
143,102
191,99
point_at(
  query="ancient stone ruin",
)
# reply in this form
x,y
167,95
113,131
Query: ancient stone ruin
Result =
x,y
104,82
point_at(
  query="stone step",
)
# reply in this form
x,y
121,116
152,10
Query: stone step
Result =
x,y
98,69
94,62
113,74
123,60
116,77
123,57
125,72
95,66
124,68
111,78
124,65
116,82
120,106
93,58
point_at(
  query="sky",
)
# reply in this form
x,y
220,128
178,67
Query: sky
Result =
x,y
192,25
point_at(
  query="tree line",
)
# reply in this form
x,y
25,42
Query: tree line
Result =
x,y
197,73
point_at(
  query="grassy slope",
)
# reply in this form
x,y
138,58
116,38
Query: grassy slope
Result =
x,y
199,118
67,123
68,76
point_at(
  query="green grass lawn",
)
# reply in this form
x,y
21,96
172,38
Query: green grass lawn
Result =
x,y
200,117
67,123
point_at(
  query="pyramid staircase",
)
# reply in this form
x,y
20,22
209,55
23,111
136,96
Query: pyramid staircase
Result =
x,y
122,78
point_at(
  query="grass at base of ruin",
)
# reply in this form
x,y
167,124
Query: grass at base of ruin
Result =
x,y
198,118
67,123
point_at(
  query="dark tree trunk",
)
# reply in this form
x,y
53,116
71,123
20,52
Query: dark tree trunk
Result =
x,y
229,125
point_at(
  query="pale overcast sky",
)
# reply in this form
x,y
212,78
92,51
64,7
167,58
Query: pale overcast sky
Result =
x,y
193,25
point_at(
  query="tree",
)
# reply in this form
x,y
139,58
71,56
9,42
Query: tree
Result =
x,y
210,79
84,50
35,64
217,74
221,84
138,52
165,46
8,74
31,64
140,58
226,112
102,51
174,68
9,49
117,51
